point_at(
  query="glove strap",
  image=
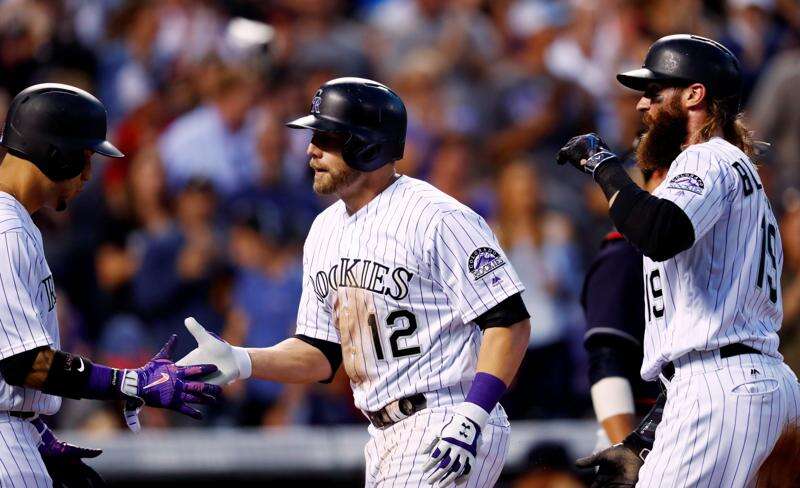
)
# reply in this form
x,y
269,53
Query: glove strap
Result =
x,y
473,412
129,383
243,362
594,161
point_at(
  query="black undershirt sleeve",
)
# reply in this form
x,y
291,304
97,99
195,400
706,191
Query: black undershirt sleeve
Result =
x,y
656,226
505,314
331,350
16,368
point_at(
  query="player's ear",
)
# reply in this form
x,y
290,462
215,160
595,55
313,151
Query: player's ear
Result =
x,y
694,95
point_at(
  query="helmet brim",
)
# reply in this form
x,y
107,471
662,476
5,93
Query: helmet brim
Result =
x,y
107,149
314,122
640,79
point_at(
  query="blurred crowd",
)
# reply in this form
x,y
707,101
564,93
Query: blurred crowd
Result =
x,y
207,213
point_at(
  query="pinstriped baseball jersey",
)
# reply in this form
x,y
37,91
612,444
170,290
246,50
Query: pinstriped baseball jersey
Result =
x,y
27,302
725,289
398,285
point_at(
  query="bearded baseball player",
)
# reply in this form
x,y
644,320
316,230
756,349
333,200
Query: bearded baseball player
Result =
x,y
50,133
406,286
712,271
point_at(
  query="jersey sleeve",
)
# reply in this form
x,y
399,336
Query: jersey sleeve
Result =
x,y
314,316
20,292
702,186
467,261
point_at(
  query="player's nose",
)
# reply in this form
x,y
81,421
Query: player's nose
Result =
x,y
313,151
643,105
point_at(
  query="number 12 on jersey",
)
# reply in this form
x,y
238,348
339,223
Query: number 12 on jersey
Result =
x,y
397,334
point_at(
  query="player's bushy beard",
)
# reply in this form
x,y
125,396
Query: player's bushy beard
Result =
x,y
335,180
666,133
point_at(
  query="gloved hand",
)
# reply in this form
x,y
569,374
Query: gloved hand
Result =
x,y
453,451
233,363
586,152
63,460
161,383
617,466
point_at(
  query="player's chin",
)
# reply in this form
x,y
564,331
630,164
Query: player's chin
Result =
x,y
323,183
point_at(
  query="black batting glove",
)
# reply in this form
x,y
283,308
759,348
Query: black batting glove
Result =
x,y
617,467
586,152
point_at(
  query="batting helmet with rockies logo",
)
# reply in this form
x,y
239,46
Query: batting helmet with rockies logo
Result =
x,y
687,58
371,114
53,125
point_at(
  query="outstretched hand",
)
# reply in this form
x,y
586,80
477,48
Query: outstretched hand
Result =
x,y
162,384
232,363
617,467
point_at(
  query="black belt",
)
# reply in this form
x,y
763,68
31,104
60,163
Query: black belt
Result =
x,y
724,352
23,415
407,406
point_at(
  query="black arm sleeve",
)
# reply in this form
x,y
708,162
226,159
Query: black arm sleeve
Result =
x,y
610,356
331,350
656,226
504,314
16,368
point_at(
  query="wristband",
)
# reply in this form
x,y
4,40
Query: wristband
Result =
x,y
612,396
486,391
77,377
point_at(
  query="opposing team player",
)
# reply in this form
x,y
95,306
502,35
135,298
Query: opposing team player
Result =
x,y
613,303
407,287
50,133
712,270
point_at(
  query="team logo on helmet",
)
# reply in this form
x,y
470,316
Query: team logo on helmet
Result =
x,y
315,102
483,261
687,182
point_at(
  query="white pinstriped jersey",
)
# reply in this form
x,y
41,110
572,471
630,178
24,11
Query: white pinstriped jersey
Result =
x,y
27,302
398,285
725,289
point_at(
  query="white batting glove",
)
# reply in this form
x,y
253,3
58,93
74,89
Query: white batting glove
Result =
x,y
453,452
233,363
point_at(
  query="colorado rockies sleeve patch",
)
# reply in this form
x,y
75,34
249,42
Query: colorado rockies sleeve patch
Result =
x,y
687,182
483,261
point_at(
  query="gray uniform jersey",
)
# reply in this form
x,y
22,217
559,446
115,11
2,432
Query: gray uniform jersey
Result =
x,y
27,302
398,285
725,289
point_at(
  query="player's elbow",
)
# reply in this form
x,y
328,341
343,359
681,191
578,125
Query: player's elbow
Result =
x,y
668,242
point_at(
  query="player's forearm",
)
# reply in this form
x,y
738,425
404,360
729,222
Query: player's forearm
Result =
x,y
291,361
61,373
618,426
502,350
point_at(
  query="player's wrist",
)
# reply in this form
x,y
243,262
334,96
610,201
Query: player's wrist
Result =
x,y
244,363
486,391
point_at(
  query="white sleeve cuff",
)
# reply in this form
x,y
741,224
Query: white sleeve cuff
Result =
x,y
243,362
612,396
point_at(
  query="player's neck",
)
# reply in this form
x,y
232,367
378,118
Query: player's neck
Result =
x,y
369,186
696,121
17,179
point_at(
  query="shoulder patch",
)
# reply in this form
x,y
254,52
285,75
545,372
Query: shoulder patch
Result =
x,y
483,261
688,182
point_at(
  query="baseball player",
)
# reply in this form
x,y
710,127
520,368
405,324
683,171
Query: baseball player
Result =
x,y
712,270
408,288
614,308
50,133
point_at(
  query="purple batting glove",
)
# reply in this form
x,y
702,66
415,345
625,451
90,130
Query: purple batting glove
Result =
x,y
50,447
162,384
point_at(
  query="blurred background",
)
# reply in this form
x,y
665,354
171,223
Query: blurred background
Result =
x,y
207,213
